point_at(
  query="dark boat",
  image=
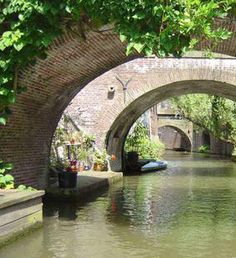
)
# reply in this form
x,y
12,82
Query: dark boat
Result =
x,y
154,166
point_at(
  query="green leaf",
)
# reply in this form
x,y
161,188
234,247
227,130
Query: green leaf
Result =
x,y
2,170
3,120
21,17
225,35
2,181
193,43
139,15
2,46
157,10
139,47
123,37
68,9
129,48
4,91
4,11
148,51
8,166
9,178
21,187
18,46
11,98
9,186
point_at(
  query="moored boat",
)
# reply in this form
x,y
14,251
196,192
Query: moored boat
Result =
x,y
154,166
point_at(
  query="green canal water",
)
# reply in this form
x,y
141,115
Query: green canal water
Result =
x,y
186,211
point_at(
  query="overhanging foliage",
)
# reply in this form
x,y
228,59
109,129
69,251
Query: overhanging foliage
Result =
x,y
215,114
27,28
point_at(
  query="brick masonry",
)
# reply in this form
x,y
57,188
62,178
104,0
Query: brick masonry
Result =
x,y
72,64
183,127
151,80
174,139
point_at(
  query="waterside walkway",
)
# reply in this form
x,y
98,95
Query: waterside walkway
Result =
x,y
87,182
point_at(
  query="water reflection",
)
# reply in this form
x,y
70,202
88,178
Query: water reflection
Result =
x,y
187,211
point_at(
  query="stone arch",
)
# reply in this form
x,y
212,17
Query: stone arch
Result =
x,y
120,127
153,80
147,74
52,83
182,126
186,136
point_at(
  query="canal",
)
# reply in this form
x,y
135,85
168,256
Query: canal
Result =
x,y
188,210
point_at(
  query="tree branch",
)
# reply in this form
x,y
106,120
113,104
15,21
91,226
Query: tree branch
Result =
x,y
210,131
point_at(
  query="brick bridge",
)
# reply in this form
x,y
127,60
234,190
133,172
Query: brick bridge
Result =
x,y
72,64
109,115
171,128
182,126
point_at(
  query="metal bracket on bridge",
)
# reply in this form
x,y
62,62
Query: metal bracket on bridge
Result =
x,y
125,86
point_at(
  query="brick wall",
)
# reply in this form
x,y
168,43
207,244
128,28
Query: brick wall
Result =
x,y
216,146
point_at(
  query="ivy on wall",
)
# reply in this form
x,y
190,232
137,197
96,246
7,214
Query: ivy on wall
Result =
x,y
28,27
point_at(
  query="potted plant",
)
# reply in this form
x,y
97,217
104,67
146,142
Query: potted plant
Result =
x,y
85,152
82,158
67,173
100,160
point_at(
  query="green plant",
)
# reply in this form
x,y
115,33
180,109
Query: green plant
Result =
x,y
61,164
213,113
26,188
89,141
66,136
138,140
101,157
151,148
59,140
135,137
83,155
6,180
204,148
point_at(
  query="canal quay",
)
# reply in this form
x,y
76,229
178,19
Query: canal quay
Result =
x,y
117,129
88,182
20,212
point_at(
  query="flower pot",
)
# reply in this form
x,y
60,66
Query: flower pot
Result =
x,y
98,167
72,141
67,179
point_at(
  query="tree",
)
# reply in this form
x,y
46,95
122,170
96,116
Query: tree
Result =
x,y
215,114
138,140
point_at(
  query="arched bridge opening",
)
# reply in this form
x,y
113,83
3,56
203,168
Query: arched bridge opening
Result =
x,y
121,125
174,138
